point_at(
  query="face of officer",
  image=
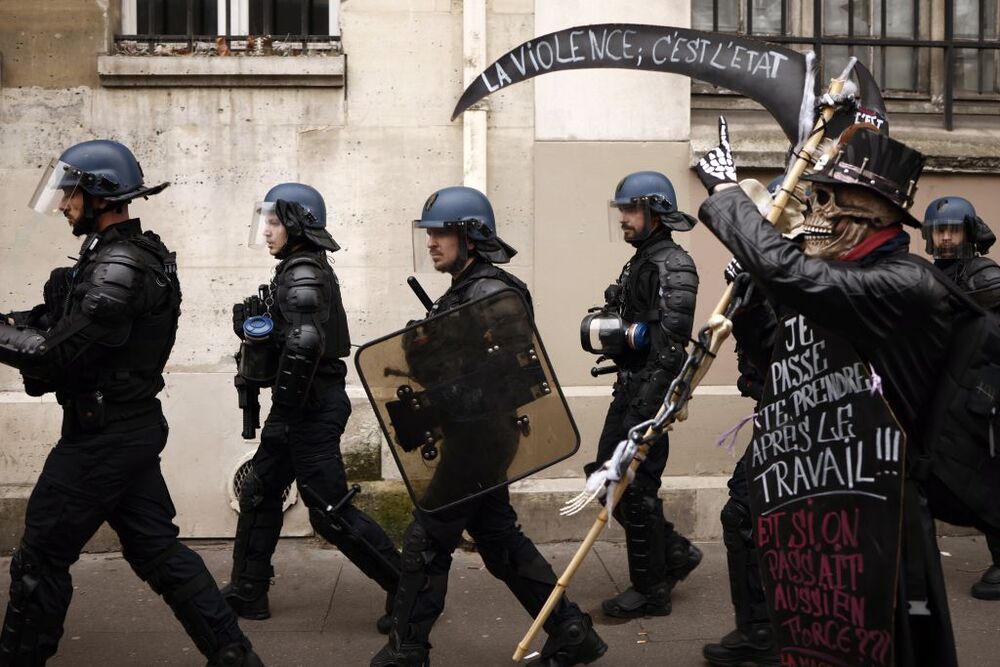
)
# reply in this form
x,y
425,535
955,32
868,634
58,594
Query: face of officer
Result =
x,y
632,219
275,234
72,207
444,248
948,240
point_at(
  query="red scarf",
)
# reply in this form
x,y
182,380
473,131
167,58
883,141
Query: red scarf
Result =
x,y
871,242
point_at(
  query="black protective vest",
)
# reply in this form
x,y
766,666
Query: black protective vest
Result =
x,y
126,362
328,314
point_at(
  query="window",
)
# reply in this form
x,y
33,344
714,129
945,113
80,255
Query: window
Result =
x,y
932,62
256,26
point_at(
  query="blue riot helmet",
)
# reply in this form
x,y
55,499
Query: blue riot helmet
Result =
x,y
653,194
469,213
300,209
952,229
100,169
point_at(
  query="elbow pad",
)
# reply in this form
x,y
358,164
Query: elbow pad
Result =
x,y
297,365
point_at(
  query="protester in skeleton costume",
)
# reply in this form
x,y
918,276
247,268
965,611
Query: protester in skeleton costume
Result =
x,y
958,240
854,277
457,233
296,346
644,328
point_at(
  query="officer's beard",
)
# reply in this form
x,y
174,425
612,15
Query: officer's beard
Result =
x,y
84,226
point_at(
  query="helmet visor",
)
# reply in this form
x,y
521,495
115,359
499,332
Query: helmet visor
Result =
x,y
264,226
948,239
439,246
58,184
628,221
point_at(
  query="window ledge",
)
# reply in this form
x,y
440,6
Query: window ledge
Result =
x,y
234,71
759,143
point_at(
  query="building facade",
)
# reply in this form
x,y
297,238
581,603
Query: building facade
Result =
x,y
355,98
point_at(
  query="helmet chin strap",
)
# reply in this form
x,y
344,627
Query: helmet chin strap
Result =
x,y
88,222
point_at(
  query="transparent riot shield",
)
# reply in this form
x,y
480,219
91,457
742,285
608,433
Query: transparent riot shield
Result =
x,y
468,400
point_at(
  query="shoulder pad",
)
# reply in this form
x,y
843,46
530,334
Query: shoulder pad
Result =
x,y
983,272
302,271
673,258
114,281
484,286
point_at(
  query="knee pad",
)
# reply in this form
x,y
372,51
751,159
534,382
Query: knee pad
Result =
x,y
29,634
252,492
737,525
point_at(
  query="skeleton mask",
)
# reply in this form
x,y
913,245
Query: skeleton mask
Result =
x,y
860,210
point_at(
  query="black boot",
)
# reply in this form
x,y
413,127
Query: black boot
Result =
x,y
418,603
247,592
752,640
682,558
755,646
988,587
641,514
235,655
257,532
570,643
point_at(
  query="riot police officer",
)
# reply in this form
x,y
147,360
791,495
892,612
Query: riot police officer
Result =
x,y
457,233
958,240
652,304
100,341
302,338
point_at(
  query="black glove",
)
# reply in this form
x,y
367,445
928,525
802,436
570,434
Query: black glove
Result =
x,y
716,166
732,270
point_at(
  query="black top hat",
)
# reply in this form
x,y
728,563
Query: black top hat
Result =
x,y
873,161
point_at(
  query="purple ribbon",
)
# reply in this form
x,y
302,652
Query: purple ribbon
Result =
x,y
728,439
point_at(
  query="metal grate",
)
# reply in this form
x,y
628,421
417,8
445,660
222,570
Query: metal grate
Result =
x,y
890,36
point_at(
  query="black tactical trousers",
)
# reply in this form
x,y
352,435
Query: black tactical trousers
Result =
x,y
745,585
647,477
305,447
87,480
507,553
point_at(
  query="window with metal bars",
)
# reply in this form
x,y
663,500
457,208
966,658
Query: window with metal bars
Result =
x,y
934,50
179,21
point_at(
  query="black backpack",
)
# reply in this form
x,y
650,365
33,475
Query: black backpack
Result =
x,y
962,428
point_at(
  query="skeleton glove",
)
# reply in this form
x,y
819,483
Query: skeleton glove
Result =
x,y
732,270
716,166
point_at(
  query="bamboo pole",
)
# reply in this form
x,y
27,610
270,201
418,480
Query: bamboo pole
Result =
x,y
721,328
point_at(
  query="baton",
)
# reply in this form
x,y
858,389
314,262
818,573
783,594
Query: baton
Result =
x,y
419,291
721,327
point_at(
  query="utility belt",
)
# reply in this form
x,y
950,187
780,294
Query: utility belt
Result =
x,y
91,412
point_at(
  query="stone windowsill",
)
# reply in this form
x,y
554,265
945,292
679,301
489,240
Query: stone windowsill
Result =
x,y
239,71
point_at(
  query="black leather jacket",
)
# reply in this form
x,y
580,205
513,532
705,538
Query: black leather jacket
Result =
x,y
895,311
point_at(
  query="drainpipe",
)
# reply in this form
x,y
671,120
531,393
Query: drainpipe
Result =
x,y
474,120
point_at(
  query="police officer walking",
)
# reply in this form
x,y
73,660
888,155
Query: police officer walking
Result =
x,y
458,230
100,341
653,304
302,338
958,240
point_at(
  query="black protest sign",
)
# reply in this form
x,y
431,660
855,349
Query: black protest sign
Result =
x,y
774,76
825,470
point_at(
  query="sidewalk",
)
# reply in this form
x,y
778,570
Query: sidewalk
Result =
x,y
325,610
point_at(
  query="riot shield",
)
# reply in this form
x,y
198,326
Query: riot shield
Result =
x,y
826,472
467,400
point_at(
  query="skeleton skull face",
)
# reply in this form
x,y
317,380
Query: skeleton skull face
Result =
x,y
840,216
